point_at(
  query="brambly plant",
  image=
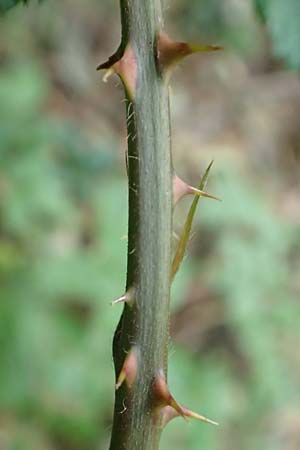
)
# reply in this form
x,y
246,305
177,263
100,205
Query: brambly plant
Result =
x,y
144,62
57,200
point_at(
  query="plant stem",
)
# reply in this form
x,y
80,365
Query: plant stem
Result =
x,y
145,324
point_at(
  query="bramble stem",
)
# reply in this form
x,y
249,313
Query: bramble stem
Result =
x,y
145,323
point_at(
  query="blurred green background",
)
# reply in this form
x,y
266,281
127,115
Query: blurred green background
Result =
x,y
63,213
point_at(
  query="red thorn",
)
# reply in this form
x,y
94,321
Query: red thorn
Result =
x,y
181,188
162,395
170,408
168,413
125,67
128,298
171,52
129,370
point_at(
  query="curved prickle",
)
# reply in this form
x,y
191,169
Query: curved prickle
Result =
x,y
162,396
125,67
129,370
181,189
168,406
171,52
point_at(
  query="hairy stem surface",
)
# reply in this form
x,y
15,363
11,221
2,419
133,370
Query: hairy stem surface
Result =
x,y
145,323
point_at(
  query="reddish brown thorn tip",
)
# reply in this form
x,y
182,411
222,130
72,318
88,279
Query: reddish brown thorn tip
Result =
x,y
129,370
181,189
171,52
127,298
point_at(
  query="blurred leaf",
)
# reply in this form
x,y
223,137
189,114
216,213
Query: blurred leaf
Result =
x,y
23,90
7,4
260,6
283,20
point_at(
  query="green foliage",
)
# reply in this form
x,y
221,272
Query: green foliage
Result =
x,y
55,322
283,20
260,7
5,5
